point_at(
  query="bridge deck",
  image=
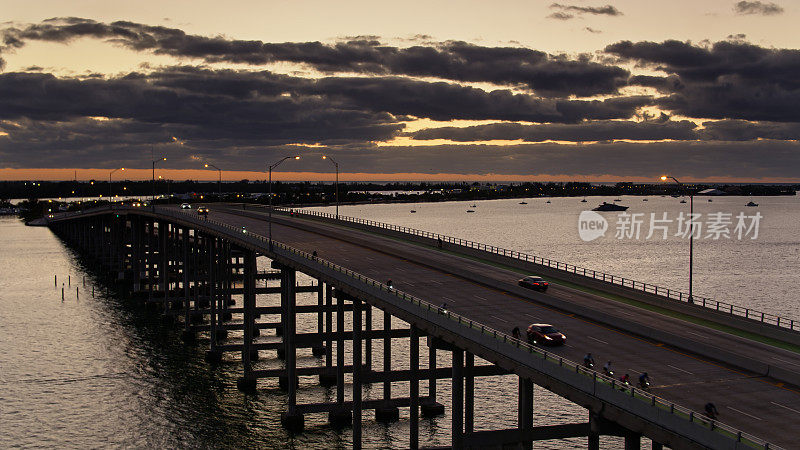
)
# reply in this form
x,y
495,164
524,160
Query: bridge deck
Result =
x,y
756,404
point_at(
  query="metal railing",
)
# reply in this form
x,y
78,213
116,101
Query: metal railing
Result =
x,y
598,379
650,288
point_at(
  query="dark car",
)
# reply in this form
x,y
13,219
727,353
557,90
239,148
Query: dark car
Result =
x,y
202,211
535,283
545,334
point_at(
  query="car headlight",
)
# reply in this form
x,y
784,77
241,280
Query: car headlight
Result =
x,y
548,337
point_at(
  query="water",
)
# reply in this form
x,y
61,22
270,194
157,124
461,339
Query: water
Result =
x,y
97,371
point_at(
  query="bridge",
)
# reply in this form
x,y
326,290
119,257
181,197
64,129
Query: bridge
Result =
x,y
458,297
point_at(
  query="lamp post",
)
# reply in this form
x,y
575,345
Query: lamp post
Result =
x,y
153,199
336,186
269,218
691,234
220,177
109,181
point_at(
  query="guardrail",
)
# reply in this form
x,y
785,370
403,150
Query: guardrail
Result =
x,y
720,306
598,379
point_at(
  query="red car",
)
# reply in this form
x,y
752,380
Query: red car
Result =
x,y
545,334
535,283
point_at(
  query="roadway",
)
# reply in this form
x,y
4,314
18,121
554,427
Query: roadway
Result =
x,y
758,405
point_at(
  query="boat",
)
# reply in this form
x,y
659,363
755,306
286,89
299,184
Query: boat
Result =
x,y
750,203
470,210
644,199
683,201
548,201
523,203
709,200
473,206
583,201
605,206
617,200
413,211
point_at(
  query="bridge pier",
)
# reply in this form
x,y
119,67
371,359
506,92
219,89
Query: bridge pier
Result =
x,y
247,382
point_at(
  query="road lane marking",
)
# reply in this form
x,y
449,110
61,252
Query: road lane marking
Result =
x,y
501,320
598,340
744,413
678,368
786,407
482,298
696,334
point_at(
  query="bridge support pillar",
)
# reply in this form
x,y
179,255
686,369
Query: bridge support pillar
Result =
x,y
291,419
248,383
385,413
185,267
657,446
430,407
525,409
457,402
469,392
633,441
341,415
211,249
368,345
414,389
357,326
329,377
319,349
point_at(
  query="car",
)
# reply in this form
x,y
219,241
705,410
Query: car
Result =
x,y
186,206
535,283
545,334
202,211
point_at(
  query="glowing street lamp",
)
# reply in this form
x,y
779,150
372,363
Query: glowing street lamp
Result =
x,y
220,177
336,186
109,181
691,234
153,199
269,219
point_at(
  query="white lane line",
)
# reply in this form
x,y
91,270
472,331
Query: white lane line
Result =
x,y
482,298
678,368
785,361
447,298
786,407
696,334
534,317
742,412
598,340
501,320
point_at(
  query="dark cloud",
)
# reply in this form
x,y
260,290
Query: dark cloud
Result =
x,y
547,75
607,10
561,15
592,30
600,130
742,130
757,7
726,80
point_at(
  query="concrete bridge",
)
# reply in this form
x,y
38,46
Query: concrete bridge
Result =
x,y
460,299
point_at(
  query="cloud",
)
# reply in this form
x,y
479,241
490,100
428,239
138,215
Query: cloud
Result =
x,y
567,10
560,15
600,130
757,7
592,30
546,75
725,80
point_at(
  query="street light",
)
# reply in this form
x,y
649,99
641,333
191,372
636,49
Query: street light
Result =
x,y
153,200
691,234
220,177
337,183
109,181
269,219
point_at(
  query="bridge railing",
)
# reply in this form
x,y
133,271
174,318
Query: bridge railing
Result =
x,y
717,305
599,379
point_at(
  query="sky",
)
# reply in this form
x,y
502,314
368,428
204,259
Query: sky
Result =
x,y
620,90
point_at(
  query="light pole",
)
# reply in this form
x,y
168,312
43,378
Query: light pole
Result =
x,y
336,186
153,199
691,234
220,178
109,182
269,219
